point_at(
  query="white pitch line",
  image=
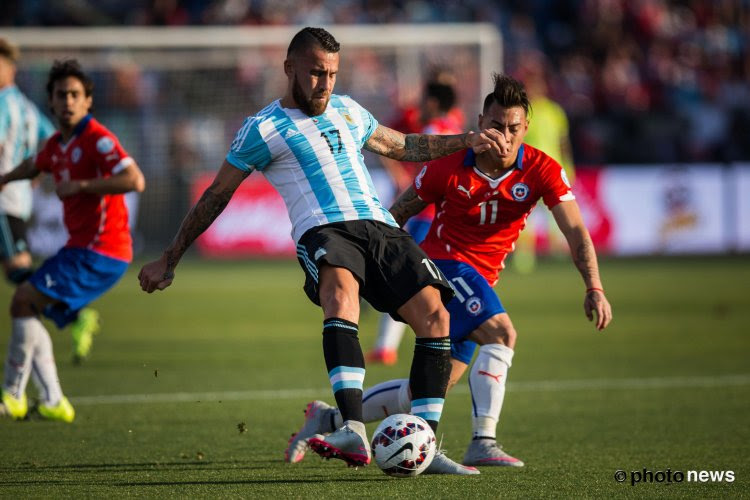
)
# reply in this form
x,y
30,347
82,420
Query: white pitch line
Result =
x,y
538,386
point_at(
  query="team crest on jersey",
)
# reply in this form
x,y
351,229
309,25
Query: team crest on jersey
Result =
x,y
474,306
519,191
75,155
564,177
348,118
105,144
418,180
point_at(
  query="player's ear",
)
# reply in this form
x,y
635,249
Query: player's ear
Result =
x,y
479,121
288,70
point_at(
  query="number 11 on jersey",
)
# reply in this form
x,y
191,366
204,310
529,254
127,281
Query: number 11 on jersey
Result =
x,y
483,212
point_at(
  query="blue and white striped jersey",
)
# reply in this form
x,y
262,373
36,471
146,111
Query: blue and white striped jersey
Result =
x,y
22,131
315,163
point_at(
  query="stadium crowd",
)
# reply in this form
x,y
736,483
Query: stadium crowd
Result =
x,y
642,81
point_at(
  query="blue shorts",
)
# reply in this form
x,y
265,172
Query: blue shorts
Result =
x,y
475,302
418,228
75,277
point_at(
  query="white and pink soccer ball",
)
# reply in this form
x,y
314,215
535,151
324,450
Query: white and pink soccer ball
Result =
x,y
403,445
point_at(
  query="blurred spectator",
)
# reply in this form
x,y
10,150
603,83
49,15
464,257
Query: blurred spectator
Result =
x,y
617,63
436,113
548,131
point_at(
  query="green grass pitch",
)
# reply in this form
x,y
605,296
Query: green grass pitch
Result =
x,y
173,376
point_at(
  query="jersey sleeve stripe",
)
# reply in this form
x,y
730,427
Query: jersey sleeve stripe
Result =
x,y
122,165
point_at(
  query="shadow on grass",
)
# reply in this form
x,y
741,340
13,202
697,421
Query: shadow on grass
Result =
x,y
134,467
312,480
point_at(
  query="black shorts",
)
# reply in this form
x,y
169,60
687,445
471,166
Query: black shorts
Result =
x,y
389,265
12,236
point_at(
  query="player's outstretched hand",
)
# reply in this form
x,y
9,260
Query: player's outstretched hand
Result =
x,y
489,139
155,276
597,303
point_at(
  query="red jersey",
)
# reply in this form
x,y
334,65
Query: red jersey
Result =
x,y
96,222
478,218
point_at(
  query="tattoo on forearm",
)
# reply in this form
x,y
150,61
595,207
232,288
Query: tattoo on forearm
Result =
x,y
413,147
408,205
200,217
584,257
420,147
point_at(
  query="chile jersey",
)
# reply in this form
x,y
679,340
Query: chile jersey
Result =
x,y
447,125
479,218
96,222
315,163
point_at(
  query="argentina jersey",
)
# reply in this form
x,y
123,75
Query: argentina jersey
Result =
x,y
315,163
22,131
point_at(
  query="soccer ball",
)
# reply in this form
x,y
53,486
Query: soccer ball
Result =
x,y
403,445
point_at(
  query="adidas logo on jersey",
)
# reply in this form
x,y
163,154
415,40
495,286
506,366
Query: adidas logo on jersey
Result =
x,y
290,133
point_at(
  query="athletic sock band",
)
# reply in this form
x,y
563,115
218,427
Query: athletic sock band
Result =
x,y
430,372
345,364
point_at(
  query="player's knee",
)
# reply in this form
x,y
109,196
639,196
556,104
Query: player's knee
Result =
x,y
336,301
436,322
497,330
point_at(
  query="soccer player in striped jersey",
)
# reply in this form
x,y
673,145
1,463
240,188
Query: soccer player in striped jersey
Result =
x,y
23,129
308,145
92,172
483,201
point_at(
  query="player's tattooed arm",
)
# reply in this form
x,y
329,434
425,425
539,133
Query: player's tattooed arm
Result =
x,y
425,147
584,258
408,205
159,274
569,220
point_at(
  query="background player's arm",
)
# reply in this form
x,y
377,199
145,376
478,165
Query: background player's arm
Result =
x,y
159,274
425,147
25,170
408,205
128,179
569,220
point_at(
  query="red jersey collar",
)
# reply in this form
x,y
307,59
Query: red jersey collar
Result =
x,y
79,127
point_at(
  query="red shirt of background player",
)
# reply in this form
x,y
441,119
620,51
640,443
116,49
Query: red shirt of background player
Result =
x,y
96,222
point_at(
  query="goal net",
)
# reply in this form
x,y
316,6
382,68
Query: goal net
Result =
x,y
176,96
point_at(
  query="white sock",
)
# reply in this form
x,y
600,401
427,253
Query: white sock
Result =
x,y
386,398
390,333
43,369
487,383
20,354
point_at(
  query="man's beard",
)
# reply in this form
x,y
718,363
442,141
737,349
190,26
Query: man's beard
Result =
x,y
307,105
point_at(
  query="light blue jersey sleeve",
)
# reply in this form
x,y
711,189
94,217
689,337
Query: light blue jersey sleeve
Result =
x,y
249,151
369,123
